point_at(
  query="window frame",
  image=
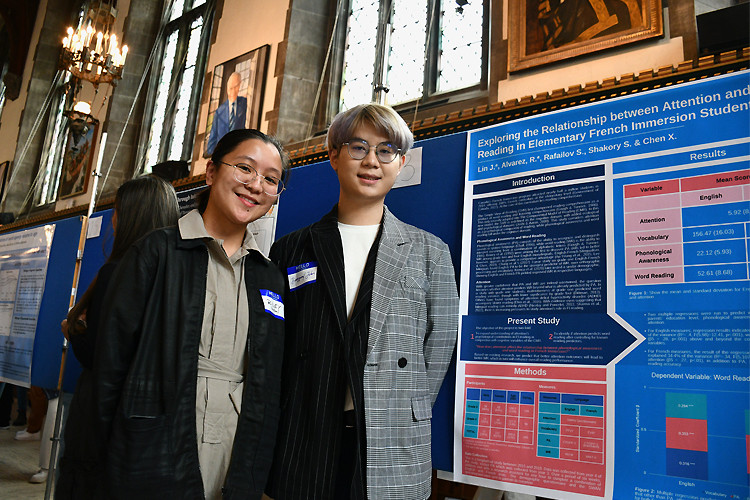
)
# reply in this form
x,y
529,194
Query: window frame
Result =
x,y
430,97
182,25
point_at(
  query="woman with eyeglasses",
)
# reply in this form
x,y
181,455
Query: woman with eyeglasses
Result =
x,y
189,366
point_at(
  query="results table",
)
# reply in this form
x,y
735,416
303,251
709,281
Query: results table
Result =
x,y
690,229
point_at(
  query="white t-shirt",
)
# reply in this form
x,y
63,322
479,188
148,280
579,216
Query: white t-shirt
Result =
x,y
357,241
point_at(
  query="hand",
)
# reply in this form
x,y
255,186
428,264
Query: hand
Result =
x,y
64,328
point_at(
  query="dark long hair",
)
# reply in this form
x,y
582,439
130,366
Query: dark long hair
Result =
x,y
141,205
229,142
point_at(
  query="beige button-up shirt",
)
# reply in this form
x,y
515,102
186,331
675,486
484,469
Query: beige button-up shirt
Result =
x,y
222,352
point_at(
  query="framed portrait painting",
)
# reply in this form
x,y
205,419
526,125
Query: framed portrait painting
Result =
x,y
77,159
546,31
237,89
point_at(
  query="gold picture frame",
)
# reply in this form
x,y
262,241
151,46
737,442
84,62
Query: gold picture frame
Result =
x,y
547,31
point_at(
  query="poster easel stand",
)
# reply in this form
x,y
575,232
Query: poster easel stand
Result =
x,y
74,293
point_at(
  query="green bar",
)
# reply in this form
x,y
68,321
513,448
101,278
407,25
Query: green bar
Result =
x,y
747,423
681,405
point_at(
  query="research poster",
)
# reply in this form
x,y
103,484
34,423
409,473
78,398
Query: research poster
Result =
x,y
605,328
23,270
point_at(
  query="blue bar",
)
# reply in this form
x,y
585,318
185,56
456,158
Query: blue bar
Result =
x,y
592,411
549,407
498,396
472,407
725,213
549,429
528,180
716,232
697,156
473,394
687,463
570,410
549,418
583,399
513,397
717,272
486,394
527,398
548,452
549,397
714,252
549,440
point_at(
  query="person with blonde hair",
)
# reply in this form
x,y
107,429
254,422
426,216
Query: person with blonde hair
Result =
x,y
371,325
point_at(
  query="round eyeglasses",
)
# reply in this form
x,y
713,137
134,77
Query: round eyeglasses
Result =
x,y
246,174
359,149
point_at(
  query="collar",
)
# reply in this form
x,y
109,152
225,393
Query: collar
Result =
x,y
192,228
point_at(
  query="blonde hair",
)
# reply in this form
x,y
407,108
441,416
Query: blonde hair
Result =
x,y
383,118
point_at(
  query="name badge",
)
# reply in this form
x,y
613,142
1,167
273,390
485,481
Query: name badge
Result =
x,y
273,304
302,274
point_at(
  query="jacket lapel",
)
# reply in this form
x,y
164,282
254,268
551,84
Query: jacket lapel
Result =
x,y
394,248
326,243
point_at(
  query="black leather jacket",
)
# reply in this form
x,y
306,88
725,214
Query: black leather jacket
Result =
x,y
146,368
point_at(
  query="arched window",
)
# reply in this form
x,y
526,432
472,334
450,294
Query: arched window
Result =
x,y
174,94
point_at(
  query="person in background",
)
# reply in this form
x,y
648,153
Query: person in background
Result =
x,y
372,321
188,359
141,205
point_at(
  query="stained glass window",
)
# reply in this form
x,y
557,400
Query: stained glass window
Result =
x,y
406,51
359,58
460,59
186,86
175,92
450,32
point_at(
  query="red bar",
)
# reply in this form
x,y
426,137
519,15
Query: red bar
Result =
x,y
592,444
652,188
586,421
569,442
687,434
590,456
498,434
526,424
538,371
568,430
526,437
722,179
592,433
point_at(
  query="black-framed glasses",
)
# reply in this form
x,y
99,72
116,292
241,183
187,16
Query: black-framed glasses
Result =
x,y
359,148
246,174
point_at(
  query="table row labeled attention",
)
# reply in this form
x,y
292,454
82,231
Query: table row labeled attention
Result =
x,y
687,229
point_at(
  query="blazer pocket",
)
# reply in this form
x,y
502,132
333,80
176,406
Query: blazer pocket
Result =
x,y
414,282
421,407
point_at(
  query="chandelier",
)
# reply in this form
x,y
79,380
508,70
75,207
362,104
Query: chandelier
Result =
x,y
91,53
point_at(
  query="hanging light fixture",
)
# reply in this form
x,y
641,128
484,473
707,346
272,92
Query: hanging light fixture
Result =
x,y
92,53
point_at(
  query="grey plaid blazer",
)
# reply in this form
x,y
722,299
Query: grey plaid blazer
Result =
x,y
412,334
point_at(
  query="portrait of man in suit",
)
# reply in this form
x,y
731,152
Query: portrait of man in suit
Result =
x,y
230,115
